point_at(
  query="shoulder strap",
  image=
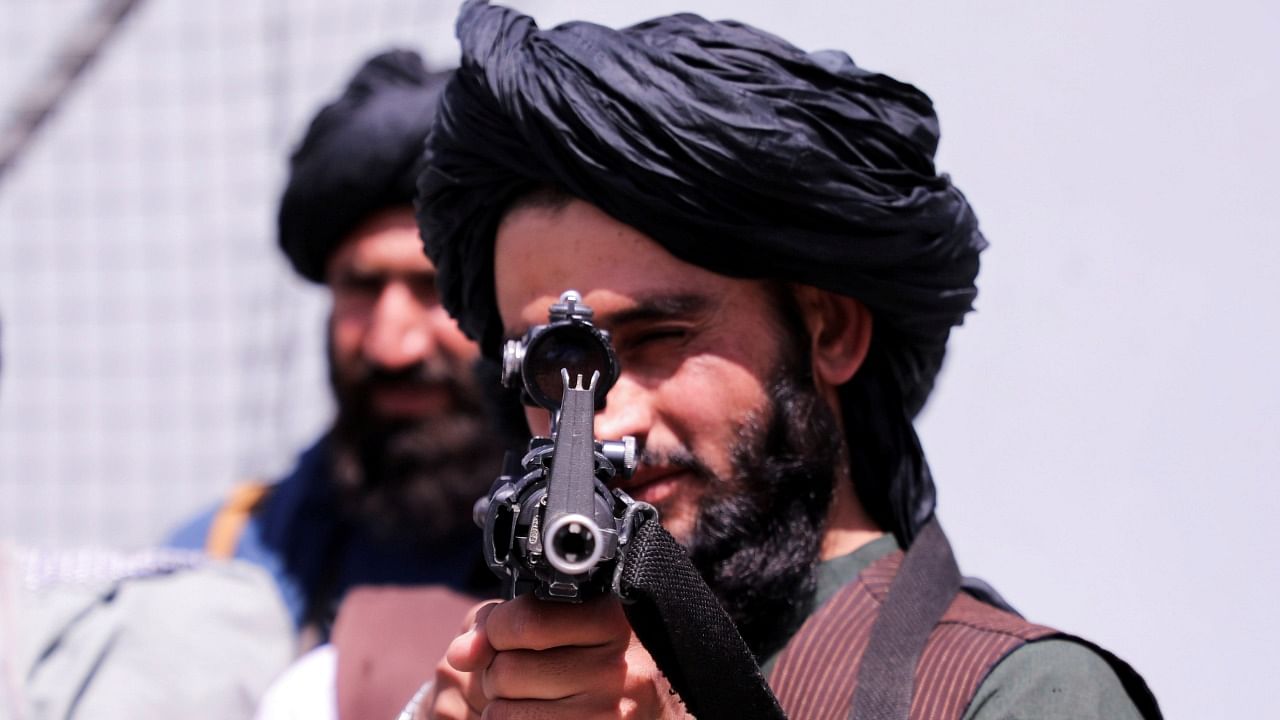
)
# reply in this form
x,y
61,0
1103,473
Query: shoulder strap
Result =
x,y
230,520
859,640
920,593
918,597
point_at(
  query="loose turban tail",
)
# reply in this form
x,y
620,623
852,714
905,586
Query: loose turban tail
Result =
x,y
737,152
359,156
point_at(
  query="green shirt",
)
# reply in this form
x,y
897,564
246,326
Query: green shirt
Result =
x,y
1046,680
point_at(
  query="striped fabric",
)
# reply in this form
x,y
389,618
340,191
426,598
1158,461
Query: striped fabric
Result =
x,y
816,674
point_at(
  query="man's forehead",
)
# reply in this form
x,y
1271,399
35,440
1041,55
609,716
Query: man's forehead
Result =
x,y
542,251
390,250
390,261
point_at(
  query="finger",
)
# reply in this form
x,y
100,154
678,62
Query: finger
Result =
x,y
576,708
475,613
527,623
459,694
554,674
471,651
449,704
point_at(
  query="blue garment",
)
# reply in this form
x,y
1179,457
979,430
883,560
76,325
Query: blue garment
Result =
x,y
296,535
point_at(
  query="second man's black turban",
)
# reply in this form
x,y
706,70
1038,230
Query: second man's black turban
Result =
x,y
737,152
360,155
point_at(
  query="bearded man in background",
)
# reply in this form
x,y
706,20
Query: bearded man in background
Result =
x,y
384,497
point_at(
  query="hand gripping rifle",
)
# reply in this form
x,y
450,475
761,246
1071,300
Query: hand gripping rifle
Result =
x,y
553,526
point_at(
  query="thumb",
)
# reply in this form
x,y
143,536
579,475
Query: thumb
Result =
x,y
471,651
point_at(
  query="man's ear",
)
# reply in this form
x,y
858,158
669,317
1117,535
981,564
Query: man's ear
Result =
x,y
839,333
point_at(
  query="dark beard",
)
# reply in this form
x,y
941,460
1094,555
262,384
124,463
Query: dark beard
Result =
x,y
758,537
411,481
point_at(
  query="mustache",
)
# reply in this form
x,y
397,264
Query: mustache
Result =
x,y
418,375
680,458
356,387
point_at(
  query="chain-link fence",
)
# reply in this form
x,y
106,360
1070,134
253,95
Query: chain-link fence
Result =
x,y
155,346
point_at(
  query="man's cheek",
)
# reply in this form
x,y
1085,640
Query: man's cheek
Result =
x,y
456,346
344,339
539,421
680,519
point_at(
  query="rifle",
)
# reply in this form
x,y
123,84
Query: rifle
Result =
x,y
552,525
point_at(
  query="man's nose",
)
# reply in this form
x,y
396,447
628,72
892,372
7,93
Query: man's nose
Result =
x,y
400,332
628,411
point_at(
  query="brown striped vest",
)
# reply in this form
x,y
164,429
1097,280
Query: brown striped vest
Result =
x,y
816,674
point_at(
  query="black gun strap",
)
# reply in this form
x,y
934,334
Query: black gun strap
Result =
x,y
691,638
696,645
920,593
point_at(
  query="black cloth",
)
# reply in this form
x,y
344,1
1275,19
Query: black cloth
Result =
x,y
688,634
737,152
360,155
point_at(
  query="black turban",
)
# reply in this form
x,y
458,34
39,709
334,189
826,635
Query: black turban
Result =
x,y
360,155
737,152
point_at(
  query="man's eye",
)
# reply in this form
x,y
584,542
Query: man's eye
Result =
x,y
362,285
424,288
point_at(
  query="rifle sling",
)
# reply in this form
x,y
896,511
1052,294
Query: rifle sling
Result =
x,y
691,638
697,647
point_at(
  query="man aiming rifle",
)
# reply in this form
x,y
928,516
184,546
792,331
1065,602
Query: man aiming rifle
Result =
x,y
764,235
